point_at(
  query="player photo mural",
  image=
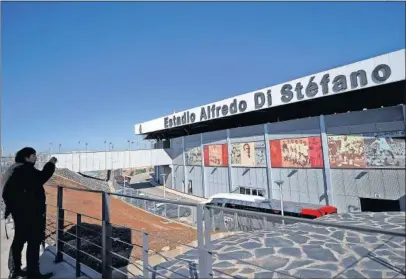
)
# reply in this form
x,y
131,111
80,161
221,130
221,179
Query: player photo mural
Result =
x,y
385,149
216,155
346,151
248,154
296,153
193,156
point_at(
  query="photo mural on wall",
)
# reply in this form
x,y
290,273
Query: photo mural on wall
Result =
x,y
368,150
215,155
248,154
193,156
303,152
385,149
346,151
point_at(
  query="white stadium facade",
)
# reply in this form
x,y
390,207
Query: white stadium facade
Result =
x,y
332,138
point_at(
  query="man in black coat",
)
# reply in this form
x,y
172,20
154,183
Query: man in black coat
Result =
x,y
24,197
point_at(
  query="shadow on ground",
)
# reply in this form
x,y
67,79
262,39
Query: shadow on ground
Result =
x,y
91,243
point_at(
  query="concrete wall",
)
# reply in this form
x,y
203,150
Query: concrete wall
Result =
x,y
340,187
91,161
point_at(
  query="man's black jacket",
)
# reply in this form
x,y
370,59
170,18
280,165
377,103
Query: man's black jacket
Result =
x,y
23,192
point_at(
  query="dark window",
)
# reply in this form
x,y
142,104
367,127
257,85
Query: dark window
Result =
x,y
242,190
254,192
260,193
248,191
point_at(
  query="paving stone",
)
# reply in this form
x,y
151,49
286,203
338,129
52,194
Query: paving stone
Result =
x,y
336,248
298,263
235,255
352,273
223,264
273,262
319,253
298,238
371,264
247,271
329,267
348,261
277,242
261,252
290,251
353,240
251,245
229,249
373,273
339,235
263,275
313,273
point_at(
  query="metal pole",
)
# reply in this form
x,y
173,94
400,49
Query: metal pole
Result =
x,y
106,237
203,273
145,250
59,223
59,148
207,240
78,244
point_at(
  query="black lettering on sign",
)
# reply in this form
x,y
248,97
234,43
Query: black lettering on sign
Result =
x,y
312,88
203,115
242,106
339,84
224,110
298,89
269,96
360,76
233,107
324,84
381,73
287,94
166,122
259,100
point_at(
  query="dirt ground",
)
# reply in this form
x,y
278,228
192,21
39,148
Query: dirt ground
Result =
x,y
161,232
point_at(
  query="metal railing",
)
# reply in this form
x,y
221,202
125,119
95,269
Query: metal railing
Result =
x,y
209,219
176,212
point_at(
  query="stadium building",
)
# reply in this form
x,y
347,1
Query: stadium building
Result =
x,y
332,138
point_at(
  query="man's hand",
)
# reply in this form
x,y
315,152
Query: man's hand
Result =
x,y
53,160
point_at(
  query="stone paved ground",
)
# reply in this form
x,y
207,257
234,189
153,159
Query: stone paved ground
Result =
x,y
305,251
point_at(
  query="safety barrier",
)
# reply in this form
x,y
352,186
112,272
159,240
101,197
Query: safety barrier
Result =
x,y
209,219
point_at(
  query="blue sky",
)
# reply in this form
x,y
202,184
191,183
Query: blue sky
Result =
x,y
83,71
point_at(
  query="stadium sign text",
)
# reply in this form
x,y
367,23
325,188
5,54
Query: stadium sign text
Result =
x,y
315,85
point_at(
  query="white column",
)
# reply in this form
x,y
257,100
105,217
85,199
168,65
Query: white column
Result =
x,y
230,175
326,170
268,162
184,165
202,166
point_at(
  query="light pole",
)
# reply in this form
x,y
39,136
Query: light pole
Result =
x,y
86,155
50,149
105,155
59,148
129,153
79,155
111,155
280,183
131,144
